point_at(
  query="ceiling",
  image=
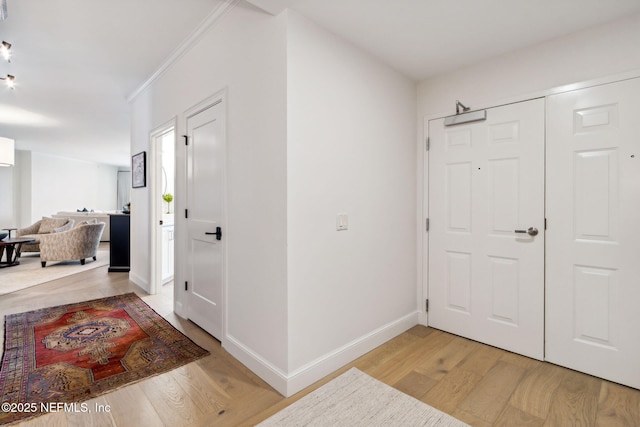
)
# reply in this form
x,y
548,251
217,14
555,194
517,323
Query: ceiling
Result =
x,y
77,61
422,38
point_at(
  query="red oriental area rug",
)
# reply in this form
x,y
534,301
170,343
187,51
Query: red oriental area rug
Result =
x,y
75,352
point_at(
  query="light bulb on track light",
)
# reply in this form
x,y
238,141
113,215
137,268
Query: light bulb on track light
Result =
x,y
5,50
9,80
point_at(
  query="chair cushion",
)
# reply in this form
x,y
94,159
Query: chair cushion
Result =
x,y
48,225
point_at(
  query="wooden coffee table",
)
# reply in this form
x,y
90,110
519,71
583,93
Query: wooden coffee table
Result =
x,y
12,249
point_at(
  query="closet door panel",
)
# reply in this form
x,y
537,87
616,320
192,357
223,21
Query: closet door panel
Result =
x,y
593,235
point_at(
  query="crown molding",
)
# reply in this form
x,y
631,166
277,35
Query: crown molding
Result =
x,y
222,9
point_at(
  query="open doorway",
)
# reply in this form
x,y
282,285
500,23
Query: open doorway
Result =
x,y
162,200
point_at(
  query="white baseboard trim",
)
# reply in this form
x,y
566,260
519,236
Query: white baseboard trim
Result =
x,y
139,281
259,366
330,362
287,385
178,308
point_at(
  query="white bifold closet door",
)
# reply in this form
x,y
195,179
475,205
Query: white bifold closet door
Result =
x,y
486,189
593,236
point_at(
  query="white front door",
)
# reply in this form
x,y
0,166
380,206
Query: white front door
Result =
x,y
486,183
205,182
593,240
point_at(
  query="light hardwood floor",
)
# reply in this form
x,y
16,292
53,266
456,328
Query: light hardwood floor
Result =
x,y
478,384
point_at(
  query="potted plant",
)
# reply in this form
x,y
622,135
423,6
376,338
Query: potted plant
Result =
x,y
168,197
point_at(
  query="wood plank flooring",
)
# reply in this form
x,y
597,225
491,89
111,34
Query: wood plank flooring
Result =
x,y
478,384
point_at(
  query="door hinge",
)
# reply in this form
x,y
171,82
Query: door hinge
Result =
x,y
186,139
427,144
186,286
545,223
427,224
186,213
426,305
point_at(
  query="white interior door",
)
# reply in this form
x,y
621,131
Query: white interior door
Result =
x,y
205,181
486,180
593,251
162,156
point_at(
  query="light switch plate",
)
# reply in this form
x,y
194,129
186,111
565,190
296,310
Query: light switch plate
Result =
x,y
342,222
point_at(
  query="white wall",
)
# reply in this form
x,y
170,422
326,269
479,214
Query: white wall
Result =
x,y
42,184
581,56
22,196
15,183
7,191
244,52
63,184
345,142
123,188
168,166
350,148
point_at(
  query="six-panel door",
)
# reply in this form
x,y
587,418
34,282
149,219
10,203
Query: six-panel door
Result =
x,y
486,182
593,238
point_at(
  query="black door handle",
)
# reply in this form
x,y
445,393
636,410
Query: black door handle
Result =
x,y
218,233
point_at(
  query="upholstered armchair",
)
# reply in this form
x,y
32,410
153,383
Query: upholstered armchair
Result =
x,y
78,243
42,227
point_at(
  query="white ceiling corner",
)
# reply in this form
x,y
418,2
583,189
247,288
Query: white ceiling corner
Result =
x,y
274,7
190,41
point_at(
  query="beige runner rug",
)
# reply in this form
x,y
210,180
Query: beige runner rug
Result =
x,y
356,399
30,272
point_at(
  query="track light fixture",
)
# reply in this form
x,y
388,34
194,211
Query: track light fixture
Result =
x,y
10,80
5,50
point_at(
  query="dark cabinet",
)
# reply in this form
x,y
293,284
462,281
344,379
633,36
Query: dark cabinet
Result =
x,y
119,253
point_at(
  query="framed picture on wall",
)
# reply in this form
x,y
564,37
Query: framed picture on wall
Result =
x,y
139,170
